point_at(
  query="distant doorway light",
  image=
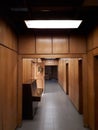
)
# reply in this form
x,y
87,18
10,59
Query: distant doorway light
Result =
x,y
52,24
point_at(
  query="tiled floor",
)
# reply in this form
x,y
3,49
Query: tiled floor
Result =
x,y
55,112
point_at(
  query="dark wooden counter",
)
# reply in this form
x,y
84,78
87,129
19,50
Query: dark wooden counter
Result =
x,y
31,95
27,111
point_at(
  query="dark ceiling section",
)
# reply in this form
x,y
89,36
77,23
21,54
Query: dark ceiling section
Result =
x,y
55,2
17,3
16,11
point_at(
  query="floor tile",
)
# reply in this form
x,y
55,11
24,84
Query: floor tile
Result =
x,y
55,111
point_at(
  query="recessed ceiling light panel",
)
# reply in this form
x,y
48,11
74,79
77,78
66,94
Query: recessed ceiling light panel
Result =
x,y
52,24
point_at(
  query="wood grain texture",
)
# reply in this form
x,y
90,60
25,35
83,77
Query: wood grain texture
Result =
x,y
91,91
27,70
1,91
77,44
62,74
92,39
73,86
74,82
27,44
39,44
90,42
9,88
43,45
19,91
60,44
85,91
22,72
7,36
92,75
90,3
95,38
8,78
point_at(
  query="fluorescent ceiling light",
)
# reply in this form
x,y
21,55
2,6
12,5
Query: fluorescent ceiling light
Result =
x,y
49,24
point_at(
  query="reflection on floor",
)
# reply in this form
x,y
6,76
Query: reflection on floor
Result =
x,y
55,112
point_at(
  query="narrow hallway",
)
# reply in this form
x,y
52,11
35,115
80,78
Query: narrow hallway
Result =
x,y
55,112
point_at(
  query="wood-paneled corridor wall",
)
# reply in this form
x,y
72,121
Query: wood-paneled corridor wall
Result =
x,y
63,46
8,78
74,88
92,68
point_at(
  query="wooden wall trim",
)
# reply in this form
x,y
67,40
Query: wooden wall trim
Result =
x,y
92,49
95,52
90,82
85,92
68,44
19,108
8,47
52,44
90,87
35,44
53,56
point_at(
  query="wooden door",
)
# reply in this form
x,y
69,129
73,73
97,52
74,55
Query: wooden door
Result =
x,y
80,87
67,78
96,90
